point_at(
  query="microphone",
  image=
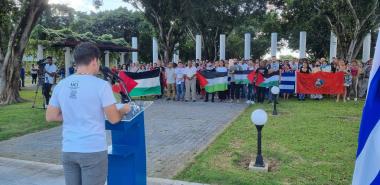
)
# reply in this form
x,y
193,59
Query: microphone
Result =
x,y
109,73
115,77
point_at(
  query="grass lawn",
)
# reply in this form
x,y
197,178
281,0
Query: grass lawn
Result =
x,y
311,142
20,119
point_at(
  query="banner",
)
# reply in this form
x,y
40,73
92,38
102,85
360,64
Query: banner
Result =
x,y
320,83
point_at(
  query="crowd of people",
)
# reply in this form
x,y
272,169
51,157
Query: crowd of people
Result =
x,y
179,81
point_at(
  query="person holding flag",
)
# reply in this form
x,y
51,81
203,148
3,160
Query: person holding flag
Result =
x,y
367,165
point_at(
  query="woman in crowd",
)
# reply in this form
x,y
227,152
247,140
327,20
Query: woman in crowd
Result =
x,y
347,78
304,69
286,68
355,71
262,70
316,69
220,68
251,89
124,68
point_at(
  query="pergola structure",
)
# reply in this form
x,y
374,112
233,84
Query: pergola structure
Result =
x,y
106,47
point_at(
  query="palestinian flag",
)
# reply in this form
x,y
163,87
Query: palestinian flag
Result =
x,y
270,82
148,83
213,81
241,77
256,78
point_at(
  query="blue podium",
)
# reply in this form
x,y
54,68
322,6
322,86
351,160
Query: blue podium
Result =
x,y
127,154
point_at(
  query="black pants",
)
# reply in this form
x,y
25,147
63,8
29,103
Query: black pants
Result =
x,y
22,81
260,94
222,95
232,90
46,92
34,78
238,90
212,96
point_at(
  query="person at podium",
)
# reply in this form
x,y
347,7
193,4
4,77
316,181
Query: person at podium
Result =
x,y
82,102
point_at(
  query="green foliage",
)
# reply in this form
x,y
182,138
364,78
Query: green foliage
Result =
x,y
311,142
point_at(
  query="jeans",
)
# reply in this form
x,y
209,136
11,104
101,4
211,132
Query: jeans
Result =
x,y
85,168
180,91
251,93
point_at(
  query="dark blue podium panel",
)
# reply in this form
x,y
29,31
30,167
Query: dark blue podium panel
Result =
x,y
127,155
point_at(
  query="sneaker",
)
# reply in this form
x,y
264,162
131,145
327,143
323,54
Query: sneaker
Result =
x,y
194,100
248,102
348,98
355,99
252,102
237,101
167,99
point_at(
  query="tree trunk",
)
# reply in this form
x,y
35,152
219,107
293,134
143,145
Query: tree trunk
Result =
x,y
10,64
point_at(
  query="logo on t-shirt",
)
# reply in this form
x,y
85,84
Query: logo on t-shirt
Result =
x,y
74,85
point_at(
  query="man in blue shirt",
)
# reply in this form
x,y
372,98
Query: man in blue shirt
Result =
x,y
82,101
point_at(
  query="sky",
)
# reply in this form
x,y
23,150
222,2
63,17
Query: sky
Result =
x,y
87,6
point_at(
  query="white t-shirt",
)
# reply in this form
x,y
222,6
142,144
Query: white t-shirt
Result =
x,y
179,74
170,75
82,99
190,71
51,69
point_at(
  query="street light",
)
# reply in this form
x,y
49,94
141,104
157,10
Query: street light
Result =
x,y
259,117
275,90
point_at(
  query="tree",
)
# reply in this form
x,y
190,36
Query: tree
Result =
x,y
350,20
16,35
210,18
57,16
120,23
302,16
167,17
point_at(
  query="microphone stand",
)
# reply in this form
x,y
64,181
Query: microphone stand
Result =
x,y
124,96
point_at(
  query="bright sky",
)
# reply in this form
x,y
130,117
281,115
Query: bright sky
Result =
x,y
87,5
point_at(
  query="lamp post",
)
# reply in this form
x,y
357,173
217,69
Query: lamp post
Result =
x,y
259,117
275,90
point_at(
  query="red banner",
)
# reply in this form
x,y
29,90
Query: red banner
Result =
x,y
320,83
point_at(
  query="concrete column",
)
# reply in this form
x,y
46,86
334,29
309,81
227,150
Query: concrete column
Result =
x,y
247,46
333,46
134,46
302,44
122,60
222,47
155,49
367,48
67,61
198,47
176,53
107,58
273,44
40,52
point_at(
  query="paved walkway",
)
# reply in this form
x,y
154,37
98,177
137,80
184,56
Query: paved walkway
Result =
x,y
19,172
175,132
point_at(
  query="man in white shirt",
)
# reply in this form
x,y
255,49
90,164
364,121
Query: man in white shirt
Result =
x,y
50,71
190,82
180,81
82,101
170,82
